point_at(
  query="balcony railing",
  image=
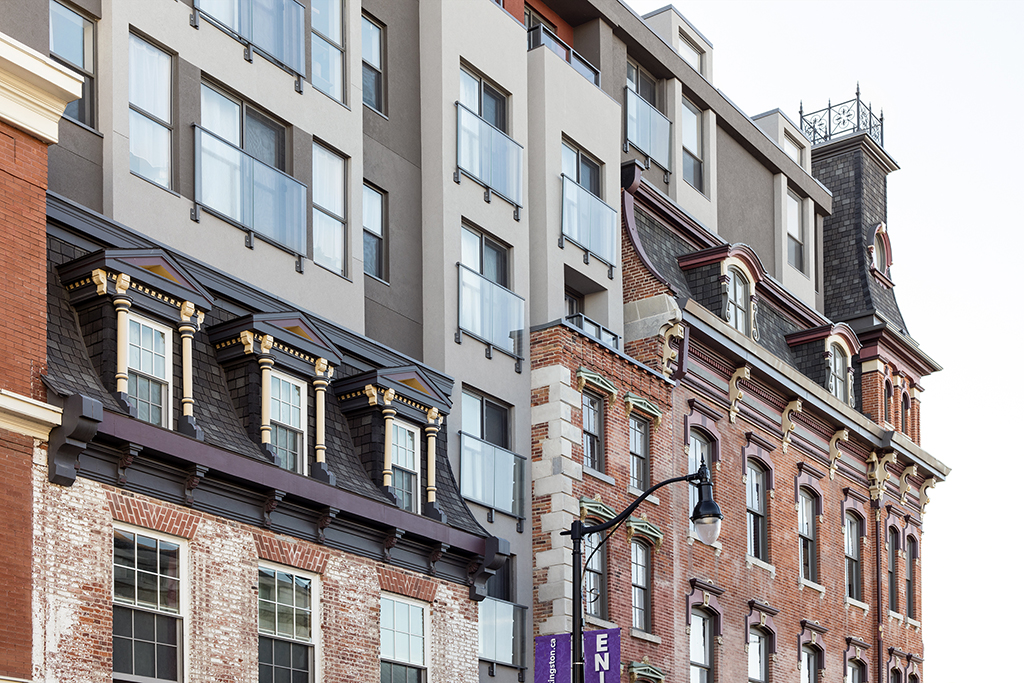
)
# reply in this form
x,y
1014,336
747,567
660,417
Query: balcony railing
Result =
x,y
845,118
502,632
593,329
276,28
491,475
249,193
490,157
648,129
491,313
540,35
587,221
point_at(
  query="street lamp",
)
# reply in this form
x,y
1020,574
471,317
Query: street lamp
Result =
x,y
707,522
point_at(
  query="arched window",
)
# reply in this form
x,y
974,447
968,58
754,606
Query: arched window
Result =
x,y
757,519
807,528
810,663
880,257
888,401
640,556
854,672
700,452
905,424
757,657
851,531
837,373
739,301
911,556
700,647
894,589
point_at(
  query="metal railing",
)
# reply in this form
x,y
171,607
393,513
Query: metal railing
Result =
x,y
593,329
502,632
490,312
489,157
587,221
249,193
648,129
845,118
541,35
492,475
277,28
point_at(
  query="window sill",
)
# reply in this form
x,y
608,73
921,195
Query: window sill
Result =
x,y
333,272
754,562
813,586
895,615
634,491
850,602
154,184
606,478
644,635
81,125
600,623
717,545
378,279
375,111
914,624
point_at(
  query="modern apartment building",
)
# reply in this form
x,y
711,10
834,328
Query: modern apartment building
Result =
x,y
350,309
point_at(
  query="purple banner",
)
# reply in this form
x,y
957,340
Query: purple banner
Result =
x,y
552,659
601,656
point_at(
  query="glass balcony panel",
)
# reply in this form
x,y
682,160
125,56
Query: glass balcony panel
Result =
x,y
540,35
490,156
277,27
490,312
588,221
648,129
256,196
501,631
491,475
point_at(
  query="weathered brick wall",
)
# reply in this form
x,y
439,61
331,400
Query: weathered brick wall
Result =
x,y
72,600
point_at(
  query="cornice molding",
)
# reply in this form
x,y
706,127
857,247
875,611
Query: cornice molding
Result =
x,y
27,416
34,90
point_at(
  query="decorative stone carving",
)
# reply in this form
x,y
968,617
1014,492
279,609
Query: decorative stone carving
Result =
x,y
735,393
877,473
908,471
834,454
928,484
266,344
99,278
247,338
669,355
788,426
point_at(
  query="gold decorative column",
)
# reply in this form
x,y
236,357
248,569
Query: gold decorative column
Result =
x,y
322,376
122,302
434,420
389,416
266,362
187,329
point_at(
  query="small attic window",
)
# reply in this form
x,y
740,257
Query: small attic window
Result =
x,y
689,51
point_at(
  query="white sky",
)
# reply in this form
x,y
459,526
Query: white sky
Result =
x,y
950,78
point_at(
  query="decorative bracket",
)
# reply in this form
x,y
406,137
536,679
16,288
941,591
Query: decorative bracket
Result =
x,y
79,422
929,483
195,476
834,454
754,333
585,377
788,425
128,455
390,541
435,555
270,504
496,553
327,516
877,473
669,355
908,471
735,393
634,402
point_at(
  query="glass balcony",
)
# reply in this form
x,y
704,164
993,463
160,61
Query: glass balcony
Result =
x,y
490,312
502,632
540,35
648,129
249,193
593,329
588,222
491,475
490,157
277,28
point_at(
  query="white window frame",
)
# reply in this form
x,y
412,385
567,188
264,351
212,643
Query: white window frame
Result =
x,y
696,155
757,517
739,300
380,70
690,52
793,149
795,205
639,452
760,651
303,415
369,231
184,596
339,45
707,632
168,406
643,621
426,632
135,109
851,542
328,213
315,636
807,517
415,470
694,456
88,68
634,83
839,381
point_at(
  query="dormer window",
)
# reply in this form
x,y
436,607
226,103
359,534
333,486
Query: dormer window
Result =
x,y
739,301
837,373
149,370
880,257
288,421
405,461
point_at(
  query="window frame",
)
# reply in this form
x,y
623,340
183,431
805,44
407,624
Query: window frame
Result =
x,y
382,70
370,235
693,49
426,616
314,618
245,110
329,213
86,71
911,555
893,547
851,541
807,532
694,178
708,666
582,159
789,141
855,671
596,441
738,297
757,519
795,244
641,569
485,240
485,86
838,373
531,18
809,658
303,430
168,396
182,615
154,118
415,493
693,464
888,396
595,574
639,452
761,650
641,75
316,34
905,413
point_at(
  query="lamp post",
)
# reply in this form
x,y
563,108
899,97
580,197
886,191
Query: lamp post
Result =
x,y
707,522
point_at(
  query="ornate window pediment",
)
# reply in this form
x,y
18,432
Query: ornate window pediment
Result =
x,y
585,378
594,507
644,671
641,526
290,338
641,404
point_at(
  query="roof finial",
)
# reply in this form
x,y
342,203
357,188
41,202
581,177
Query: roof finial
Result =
x,y
858,90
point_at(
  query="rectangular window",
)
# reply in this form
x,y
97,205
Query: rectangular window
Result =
x,y
286,623
276,28
149,370
809,668
700,452
501,622
647,129
485,151
329,238
640,559
793,149
595,577
757,535
72,43
532,17
894,587
373,232
573,302
795,231
288,422
327,74
593,431
911,553
586,220
641,83
578,167
405,444
852,542
403,642
488,309
147,629
149,115
639,462
373,65
757,660
700,648
690,52
491,473
808,549
691,127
